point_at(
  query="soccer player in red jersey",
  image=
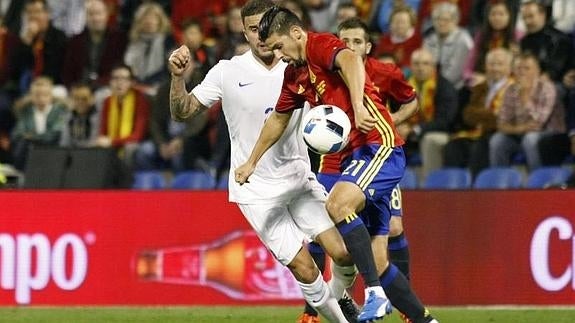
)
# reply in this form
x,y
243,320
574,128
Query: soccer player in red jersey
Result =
x,y
393,88
374,161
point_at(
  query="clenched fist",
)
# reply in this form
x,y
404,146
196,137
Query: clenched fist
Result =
x,y
179,61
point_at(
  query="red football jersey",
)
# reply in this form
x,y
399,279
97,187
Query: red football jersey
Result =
x,y
388,80
330,88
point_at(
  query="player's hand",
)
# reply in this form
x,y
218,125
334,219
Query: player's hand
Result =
x,y
242,173
363,120
179,61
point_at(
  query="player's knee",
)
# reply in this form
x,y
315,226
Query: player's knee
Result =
x,y
342,258
304,272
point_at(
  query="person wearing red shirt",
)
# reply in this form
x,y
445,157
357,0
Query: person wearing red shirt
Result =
x,y
374,161
393,89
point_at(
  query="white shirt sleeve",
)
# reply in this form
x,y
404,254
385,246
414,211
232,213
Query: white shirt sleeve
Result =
x,y
211,89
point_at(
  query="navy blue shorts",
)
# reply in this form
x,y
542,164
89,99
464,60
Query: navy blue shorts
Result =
x,y
377,171
395,203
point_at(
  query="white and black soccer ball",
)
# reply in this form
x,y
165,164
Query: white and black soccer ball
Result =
x,y
326,129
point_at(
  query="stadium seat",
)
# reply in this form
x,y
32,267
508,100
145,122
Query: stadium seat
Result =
x,y
149,180
548,176
448,179
193,180
223,181
409,180
498,178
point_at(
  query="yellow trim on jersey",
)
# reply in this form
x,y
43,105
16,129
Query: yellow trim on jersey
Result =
x,y
374,166
383,127
350,218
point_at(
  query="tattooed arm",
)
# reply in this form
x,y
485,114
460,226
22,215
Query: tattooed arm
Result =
x,y
182,104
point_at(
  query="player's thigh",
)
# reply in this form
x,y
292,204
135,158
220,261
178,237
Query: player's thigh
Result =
x,y
395,206
276,228
308,210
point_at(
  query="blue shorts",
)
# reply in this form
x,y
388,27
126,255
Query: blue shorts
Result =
x,y
377,171
395,203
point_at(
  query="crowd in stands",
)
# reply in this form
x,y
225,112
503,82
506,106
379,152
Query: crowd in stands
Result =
x,y
495,78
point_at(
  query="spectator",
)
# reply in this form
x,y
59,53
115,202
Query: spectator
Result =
x,y
430,128
125,115
551,47
470,147
529,112
129,7
175,145
204,56
7,122
91,55
345,11
82,122
383,10
563,13
426,10
322,13
202,11
480,10
449,43
498,30
39,49
68,16
297,7
11,10
233,35
7,42
150,43
402,39
39,121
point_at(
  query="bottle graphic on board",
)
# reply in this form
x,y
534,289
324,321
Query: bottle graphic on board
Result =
x,y
238,265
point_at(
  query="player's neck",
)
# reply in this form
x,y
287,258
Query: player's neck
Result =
x,y
267,62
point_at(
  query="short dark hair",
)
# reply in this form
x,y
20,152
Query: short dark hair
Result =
x,y
255,7
122,66
353,23
278,20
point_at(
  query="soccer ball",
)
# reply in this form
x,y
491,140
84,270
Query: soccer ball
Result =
x,y
326,129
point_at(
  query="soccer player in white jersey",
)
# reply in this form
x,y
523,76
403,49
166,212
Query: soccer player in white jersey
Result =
x,y
283,202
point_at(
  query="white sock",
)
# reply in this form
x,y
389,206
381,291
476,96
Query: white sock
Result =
x,y
318,295
342,278
378,291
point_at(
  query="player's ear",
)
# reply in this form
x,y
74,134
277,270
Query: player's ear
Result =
x,y
368,46
296,32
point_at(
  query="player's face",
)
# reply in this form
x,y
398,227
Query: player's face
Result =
x,y
354,39
259,49
287,48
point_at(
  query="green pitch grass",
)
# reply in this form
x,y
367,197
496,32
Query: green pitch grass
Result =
x,y
259,315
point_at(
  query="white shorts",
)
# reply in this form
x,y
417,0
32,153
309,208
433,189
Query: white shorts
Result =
x,y
284,226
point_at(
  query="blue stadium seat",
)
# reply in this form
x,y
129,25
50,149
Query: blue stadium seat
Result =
x,y
448,179
498,178
149,180
193,180
223,181
548,176
409,180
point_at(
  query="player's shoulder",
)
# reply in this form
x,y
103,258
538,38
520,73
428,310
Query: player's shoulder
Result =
x,y
383,66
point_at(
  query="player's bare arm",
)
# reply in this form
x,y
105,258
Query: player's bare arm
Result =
x,y
270,134
405,111
353,72
182,104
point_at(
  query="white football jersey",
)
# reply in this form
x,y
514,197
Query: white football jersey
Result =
x,y
249,92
